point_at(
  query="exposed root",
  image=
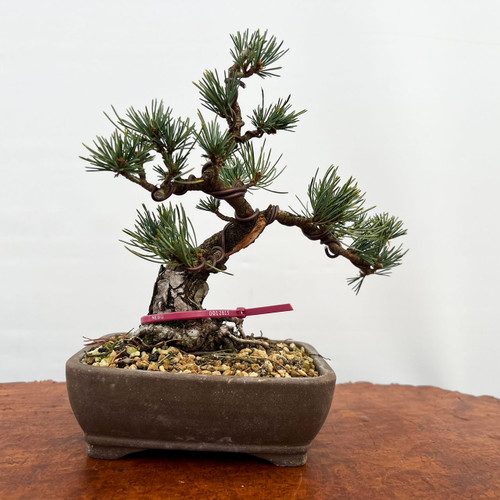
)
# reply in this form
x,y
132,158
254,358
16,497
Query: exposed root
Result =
x,y
199,335
248,341
239,325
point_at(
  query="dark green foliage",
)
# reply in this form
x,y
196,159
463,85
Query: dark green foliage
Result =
x,y
140,134
217,145
218,97
157,125
334,213
209,204
167,237
257,52
340,209
172,138
275,117
333,204
371,239
255,170
122,153
356,282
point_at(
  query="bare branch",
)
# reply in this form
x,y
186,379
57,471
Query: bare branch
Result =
x,y
141,181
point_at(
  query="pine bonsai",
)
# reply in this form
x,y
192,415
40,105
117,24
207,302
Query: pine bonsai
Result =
x,y
333,215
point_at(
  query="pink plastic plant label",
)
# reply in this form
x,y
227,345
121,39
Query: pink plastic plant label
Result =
x,y
240,312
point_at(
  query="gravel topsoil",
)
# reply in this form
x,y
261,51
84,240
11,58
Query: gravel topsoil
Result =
x,y
280,359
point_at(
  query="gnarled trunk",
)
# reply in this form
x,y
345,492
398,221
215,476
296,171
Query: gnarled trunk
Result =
x,y
177,289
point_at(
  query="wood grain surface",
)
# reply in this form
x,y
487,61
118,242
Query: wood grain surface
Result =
x,y
387,442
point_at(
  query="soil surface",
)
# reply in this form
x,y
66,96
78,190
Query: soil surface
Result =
x,y
280,359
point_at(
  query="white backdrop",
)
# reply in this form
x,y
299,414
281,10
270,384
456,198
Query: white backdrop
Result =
x,y
402,95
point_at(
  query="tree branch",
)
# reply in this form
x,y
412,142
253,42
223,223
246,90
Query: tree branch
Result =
x,y
315,232
142,181
236,122
237,235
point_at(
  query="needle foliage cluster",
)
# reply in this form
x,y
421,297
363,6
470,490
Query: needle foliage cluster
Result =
x,y
334,209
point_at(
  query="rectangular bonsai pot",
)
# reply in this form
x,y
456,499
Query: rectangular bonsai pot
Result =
x,y
123,411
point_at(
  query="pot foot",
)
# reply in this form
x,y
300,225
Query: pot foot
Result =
x,y
284,459
109,452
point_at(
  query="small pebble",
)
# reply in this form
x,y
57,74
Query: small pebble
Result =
x,y
280,360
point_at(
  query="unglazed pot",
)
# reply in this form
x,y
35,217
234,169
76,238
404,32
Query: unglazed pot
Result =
x,y
124,411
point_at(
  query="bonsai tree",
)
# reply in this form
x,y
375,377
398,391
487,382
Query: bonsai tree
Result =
x,y
236,161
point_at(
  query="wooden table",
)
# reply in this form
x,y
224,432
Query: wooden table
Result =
x,y
387,442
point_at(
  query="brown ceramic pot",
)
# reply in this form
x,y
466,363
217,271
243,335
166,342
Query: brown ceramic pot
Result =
x,y
124,411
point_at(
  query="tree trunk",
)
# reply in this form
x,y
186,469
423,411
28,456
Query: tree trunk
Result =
x,y
180,290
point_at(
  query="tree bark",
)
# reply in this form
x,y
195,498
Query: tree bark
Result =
x,y
178,290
